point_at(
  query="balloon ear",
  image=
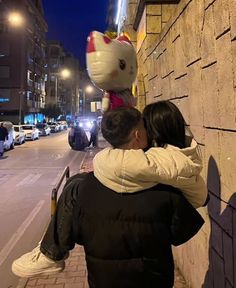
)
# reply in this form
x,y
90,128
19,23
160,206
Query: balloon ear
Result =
x,y
106,39
123,38
90,43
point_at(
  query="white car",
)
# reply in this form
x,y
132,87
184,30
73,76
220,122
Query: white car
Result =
x,y
44,129
31,132
63,124
54,127
9,143
19,134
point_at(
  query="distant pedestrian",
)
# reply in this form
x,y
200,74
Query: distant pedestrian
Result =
x,y
3,137
94,134
77,138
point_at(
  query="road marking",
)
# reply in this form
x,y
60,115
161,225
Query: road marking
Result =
x,y
72,160
19,232
4,178
29,179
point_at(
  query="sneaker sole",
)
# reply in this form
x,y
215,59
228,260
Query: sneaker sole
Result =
x,y
20,272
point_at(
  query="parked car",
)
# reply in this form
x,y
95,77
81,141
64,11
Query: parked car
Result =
x,y
31,132
63,124
44,129
19,134
53,126
10,142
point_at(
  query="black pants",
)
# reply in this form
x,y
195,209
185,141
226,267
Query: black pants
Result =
x,y
58,239
93,140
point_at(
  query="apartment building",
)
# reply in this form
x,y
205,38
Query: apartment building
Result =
x,y
22,60
62,79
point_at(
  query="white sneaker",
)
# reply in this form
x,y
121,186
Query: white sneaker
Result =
x,y
36,263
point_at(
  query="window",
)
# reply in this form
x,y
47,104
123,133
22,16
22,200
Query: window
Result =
x,y
54,52
4,71
5,95
4,49
29,95
30,78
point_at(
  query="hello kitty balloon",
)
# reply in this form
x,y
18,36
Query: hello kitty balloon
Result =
x,y
112,66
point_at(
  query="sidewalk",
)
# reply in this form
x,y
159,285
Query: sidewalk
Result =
x,y
75,273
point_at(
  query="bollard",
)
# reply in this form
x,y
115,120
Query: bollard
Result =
x,y
65,174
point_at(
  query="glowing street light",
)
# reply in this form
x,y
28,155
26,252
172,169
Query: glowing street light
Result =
x,y
65,73
15,19
89,89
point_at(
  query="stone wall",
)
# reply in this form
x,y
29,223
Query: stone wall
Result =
x,y
191,60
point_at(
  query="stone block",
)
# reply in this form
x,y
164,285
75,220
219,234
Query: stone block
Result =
x,y
221,16
131,13
218,270
191,30
228,285
226,218
153,9
227,154
181,86
179,56
210,98
212,159
167,12
234,243
183,105
232,19
153,24
149,41
217,238
207,47
226,100
228,257
233,43
195,95
192,258
151,61
214,209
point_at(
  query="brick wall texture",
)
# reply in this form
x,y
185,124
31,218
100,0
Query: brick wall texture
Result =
x,y
191,61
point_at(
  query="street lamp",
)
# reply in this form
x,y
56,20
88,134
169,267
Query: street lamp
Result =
x,y
88,89
64,74
16,20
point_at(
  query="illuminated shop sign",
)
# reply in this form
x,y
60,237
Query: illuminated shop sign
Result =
x,y
4,100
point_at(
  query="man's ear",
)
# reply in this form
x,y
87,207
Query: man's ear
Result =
x,y
137,135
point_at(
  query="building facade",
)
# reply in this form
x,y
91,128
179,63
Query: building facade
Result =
x,y
187,54
22,60
62,80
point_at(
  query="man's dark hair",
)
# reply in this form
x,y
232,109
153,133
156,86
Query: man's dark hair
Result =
x,y
117,125
165,124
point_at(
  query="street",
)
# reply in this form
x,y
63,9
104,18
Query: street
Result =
x,y
27,175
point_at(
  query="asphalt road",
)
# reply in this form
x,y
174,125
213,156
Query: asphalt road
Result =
x,y
27,175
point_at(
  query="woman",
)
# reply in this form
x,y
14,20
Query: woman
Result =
x,y
173,159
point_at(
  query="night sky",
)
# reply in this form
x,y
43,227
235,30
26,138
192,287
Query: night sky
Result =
x,y
70,22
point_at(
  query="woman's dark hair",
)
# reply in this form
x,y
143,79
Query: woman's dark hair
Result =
x,y
117,125
165,124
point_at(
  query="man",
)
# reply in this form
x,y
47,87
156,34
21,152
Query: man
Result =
x,y
77,138
3,137
127,238
93,134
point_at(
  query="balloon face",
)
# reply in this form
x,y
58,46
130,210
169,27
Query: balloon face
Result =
x,y
111,63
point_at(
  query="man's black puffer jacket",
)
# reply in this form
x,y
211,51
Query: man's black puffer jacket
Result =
x,y
128,237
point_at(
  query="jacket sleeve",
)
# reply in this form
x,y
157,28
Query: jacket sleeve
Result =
x,y
185,222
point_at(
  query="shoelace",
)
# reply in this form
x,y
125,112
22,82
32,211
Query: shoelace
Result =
x,y
36,254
